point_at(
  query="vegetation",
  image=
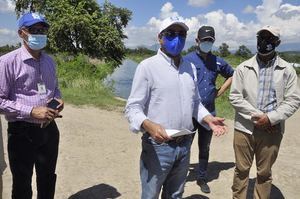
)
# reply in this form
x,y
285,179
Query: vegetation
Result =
x,y
80,81
243,51
83,26
139,54
7,48
224,50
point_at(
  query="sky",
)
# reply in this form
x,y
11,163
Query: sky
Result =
x,y
235,21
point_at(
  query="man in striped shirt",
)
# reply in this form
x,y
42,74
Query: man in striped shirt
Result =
x,y
27,83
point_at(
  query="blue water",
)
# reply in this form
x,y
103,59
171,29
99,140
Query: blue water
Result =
x,y
121,78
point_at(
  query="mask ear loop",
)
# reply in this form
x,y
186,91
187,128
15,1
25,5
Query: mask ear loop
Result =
x,y
27,34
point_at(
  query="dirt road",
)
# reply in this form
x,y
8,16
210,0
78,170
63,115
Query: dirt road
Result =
x,y
99,159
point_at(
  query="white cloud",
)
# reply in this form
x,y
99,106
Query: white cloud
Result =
x,y
6,6
200,3
284,16
8,37
228,27
167,11
248,9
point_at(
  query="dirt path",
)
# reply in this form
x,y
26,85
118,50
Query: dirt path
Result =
x,y
99,159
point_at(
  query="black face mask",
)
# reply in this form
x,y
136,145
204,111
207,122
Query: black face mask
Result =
x,y
266,46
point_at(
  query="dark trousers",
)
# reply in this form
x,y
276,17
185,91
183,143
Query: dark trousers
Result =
x,y
204,140
28,146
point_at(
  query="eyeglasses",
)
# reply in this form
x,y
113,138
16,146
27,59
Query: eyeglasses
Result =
x,y
37,31
170,33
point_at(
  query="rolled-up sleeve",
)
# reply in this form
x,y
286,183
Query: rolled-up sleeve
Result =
x,y
134,110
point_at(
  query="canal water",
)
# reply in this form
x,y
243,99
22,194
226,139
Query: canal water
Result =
x,y
121,79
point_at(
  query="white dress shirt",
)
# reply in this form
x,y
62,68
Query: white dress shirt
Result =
x,y
164,94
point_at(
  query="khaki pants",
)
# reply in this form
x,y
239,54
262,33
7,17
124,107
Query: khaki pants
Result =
x,y
265,147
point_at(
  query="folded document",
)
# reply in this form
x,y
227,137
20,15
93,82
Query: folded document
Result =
x,y
176,133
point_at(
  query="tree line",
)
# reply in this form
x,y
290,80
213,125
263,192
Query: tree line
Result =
x,y
82,27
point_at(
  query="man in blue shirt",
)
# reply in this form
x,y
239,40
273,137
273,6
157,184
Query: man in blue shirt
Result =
x,y
208,68
164,97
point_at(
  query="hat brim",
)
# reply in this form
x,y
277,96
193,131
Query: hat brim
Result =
x,y
31,23
205,37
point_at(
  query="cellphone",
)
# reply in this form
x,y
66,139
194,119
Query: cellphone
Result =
x,y
53,104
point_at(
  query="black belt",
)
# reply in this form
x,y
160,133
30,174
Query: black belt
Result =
x,y
179,139
23,124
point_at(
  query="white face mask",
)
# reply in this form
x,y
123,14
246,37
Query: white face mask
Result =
x,y
36,42
205,46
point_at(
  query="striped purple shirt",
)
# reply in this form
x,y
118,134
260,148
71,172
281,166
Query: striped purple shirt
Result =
x,y
20,75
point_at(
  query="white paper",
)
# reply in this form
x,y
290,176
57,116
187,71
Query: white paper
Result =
x,y
176,133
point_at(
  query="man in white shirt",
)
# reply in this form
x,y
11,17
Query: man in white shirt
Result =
x,y
164,95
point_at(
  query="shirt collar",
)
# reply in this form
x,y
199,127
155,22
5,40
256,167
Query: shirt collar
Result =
x,y
168,59
25,55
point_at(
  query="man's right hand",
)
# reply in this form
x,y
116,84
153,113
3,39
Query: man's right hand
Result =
x,y
44,113
156,131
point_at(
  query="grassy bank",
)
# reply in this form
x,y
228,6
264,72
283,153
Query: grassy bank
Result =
x,y
80,81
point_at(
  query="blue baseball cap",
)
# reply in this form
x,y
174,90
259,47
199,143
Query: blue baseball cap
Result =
x,y
30,19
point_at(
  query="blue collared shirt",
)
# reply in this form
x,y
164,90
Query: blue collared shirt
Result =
x,y
207,73
164,94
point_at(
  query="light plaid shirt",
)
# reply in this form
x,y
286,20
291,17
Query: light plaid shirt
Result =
x,y
19,78
266,99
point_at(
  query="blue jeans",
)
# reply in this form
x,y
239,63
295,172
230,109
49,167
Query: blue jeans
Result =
x,y
204,139
164,166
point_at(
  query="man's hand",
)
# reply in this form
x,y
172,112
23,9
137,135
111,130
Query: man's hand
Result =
x,y
216,124
261,121
44,113
156,131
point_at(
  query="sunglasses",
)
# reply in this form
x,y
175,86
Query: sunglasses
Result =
x,y
170,33
267,38
37,31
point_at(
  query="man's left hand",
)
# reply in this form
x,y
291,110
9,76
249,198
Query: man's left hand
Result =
x,y
262,121
216,124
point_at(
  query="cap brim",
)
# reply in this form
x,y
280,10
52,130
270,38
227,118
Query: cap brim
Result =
x,y
35,22
205,37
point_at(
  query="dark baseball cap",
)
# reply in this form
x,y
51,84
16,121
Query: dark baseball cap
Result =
x,y
206,32
30,19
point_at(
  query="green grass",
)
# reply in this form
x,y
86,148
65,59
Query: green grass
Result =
x,y
89,92
80,81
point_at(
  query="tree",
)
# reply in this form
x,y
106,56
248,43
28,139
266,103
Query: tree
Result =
x,y
223,49
243,51
83,26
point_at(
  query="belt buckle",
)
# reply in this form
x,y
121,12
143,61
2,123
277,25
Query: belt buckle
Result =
x,y
179,139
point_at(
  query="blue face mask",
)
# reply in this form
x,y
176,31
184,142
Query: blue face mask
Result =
x,y
173,45
205,46
37,42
